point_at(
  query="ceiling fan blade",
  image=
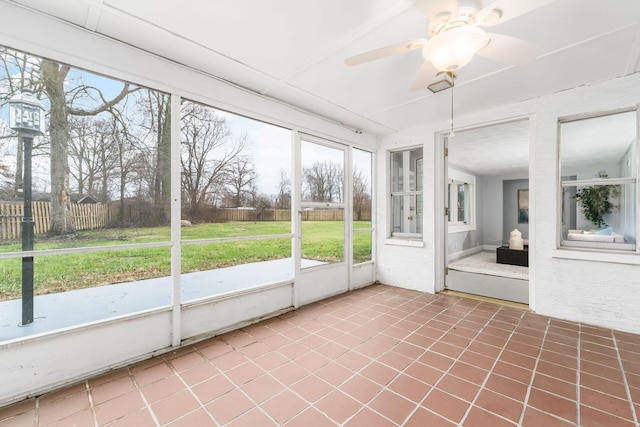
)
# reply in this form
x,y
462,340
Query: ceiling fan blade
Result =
x,y
439,11
502,10
383,52
424,77
510,50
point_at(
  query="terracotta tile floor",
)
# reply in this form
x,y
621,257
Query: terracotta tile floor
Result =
x,y
380,356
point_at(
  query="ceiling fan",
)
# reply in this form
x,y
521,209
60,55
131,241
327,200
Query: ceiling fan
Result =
x,y
456,35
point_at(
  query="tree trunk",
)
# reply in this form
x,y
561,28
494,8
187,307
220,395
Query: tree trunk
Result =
x,y
54,76
163,165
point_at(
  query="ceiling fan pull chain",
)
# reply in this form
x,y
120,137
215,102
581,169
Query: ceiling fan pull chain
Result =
x,y
452,133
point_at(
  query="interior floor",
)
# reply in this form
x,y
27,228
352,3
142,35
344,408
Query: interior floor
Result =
x,y
378,356
480,274
484,262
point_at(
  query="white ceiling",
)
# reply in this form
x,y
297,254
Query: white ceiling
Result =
x,y
503,149
294,51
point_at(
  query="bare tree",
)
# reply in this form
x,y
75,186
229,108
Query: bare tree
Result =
x,y
92,155
283,198
63,103
130,164
361,194
6,179
241,181
323,182
207,153
156,123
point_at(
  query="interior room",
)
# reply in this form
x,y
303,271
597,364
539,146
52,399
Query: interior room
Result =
x,y
488,175
384,212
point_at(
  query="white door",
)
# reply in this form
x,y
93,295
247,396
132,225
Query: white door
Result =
x,y
322,249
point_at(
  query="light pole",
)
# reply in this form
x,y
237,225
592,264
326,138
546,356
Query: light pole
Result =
x,y
26,115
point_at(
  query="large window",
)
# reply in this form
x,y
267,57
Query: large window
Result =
x,y
599,172
461,201
100,187
236,202
406,193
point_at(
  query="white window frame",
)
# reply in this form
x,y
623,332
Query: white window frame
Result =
x,y
406,195
457,177
635,180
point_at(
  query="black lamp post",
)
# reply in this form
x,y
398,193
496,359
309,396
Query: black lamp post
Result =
x,y
26,115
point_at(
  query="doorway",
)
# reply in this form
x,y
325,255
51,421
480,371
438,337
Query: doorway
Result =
x,y
323,244
483,167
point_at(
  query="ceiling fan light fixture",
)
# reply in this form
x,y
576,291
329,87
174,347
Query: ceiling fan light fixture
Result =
x,y
491,18
454,48
442,81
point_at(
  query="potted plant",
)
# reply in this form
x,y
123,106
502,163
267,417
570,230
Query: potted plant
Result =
x,y
595,201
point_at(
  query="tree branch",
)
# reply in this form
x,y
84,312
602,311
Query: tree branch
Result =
x,y
107,104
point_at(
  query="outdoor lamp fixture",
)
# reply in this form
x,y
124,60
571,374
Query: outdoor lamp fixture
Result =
x,y
26,116
453,49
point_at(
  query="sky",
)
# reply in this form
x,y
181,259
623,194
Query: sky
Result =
x,y
269,146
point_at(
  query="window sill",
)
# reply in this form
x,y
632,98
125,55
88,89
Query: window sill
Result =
x,y
619,257
396,241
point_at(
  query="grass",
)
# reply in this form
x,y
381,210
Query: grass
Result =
x,y
322,240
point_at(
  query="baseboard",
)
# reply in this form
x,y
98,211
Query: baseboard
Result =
x,y
456,255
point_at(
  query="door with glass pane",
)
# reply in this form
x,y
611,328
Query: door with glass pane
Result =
x,y
322,258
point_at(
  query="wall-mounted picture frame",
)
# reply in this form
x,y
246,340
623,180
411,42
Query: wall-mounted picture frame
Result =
x,y
523,206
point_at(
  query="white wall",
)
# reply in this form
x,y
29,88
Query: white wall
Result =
x,y
393,258
493,200
594,288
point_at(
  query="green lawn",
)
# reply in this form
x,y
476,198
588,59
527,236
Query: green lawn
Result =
x,y
322,240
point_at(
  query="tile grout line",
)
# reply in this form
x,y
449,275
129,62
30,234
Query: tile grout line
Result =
x,y
236,387
91,405
36,421
624,377
469,311
144,399
578,376
371,361
479,303
384,387
445,373
309,351
525,400
490,371
177,374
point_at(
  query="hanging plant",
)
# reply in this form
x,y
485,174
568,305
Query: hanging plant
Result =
x,y
595,201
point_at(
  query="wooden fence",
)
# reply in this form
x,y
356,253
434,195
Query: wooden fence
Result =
x,y
85,217
93,216
225,215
